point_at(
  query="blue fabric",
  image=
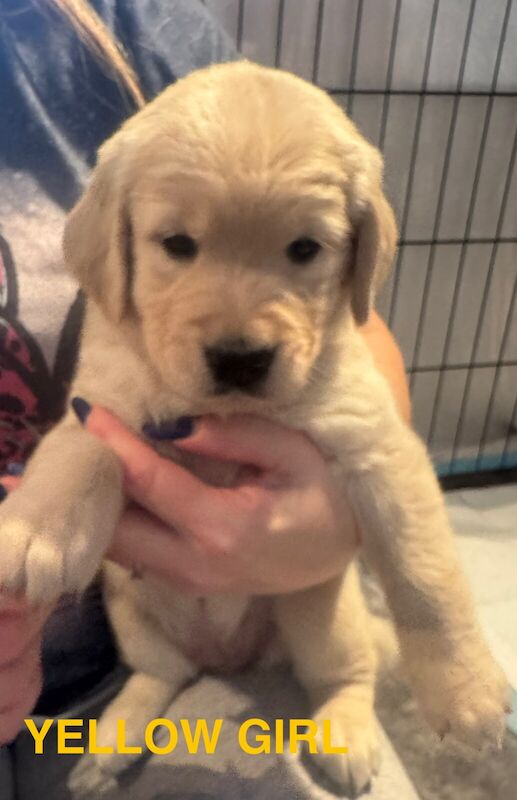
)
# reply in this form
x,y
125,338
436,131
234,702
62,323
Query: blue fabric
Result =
x,y
59,103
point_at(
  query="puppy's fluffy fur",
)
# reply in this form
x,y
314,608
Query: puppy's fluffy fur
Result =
x,y
247,160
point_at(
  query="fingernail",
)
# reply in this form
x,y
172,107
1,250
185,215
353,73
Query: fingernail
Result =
x,y
172,429
14,468
3,492
82,409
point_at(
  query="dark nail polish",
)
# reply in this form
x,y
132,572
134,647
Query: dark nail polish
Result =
x,y
180,428
3,492
82,409
14,468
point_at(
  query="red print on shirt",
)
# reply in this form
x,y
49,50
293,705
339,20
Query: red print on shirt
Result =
x,y
31,399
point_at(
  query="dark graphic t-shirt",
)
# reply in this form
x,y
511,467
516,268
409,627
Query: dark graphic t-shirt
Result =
x,y
57,105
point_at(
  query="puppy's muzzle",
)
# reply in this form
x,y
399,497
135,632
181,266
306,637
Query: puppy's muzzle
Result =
x,y
235,365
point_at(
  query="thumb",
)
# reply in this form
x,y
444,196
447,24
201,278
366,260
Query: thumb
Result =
x,y
247,439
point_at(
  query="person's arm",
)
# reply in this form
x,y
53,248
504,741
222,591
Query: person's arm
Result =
x,y
389,361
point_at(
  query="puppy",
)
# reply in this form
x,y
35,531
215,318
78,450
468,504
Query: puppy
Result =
x,y
232,239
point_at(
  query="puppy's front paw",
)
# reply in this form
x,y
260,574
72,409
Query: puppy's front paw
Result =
x,y
351,772
464,697
97,774
45,554
88,780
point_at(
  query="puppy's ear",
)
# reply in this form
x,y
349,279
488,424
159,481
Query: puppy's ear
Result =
x,y
374,239
97,238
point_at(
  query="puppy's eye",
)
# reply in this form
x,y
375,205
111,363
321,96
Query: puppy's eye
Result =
x,y
303,250
180,246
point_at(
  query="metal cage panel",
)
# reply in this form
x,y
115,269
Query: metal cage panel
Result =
x,y
434,85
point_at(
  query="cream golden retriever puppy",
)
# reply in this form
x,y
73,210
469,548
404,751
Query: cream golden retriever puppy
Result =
x,y
233,236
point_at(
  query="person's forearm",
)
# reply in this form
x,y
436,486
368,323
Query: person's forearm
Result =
x,y
388,359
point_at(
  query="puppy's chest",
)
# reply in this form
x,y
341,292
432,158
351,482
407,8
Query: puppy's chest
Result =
x,y
220,633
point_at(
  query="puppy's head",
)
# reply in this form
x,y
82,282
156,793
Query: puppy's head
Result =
x,y
234,222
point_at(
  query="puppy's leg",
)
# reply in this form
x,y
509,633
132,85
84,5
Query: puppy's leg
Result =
x,y
326,632
407,538
56,527
142,699
161,671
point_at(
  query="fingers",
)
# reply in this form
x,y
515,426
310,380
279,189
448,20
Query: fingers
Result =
x,y
17,676
247,439
20,687
20,626
160,485
143,544
20,672
9,482
132,451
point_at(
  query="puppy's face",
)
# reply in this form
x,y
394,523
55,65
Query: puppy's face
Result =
x,y
236,279
234,210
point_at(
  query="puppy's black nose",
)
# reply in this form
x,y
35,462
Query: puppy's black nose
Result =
x,y
234,364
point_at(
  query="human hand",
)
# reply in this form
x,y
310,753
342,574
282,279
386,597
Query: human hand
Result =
x,y
20,667
284,527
